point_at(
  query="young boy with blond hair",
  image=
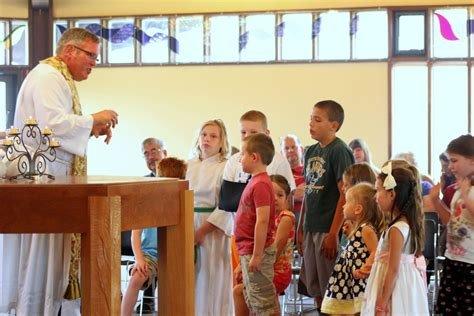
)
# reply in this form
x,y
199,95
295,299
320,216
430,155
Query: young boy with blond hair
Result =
x,y
254,122
254,228
251,122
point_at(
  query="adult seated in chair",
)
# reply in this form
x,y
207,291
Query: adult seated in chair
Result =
x,y
154,151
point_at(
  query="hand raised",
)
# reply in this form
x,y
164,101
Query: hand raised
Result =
x,y
106,117
103,129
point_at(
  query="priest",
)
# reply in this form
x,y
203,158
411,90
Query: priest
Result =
x,y
43,269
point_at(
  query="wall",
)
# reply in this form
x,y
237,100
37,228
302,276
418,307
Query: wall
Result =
x,y
14,9
172,102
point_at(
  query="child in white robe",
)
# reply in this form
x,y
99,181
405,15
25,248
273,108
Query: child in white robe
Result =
x,y
213,268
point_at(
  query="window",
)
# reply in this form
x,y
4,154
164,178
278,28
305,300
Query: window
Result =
x,y
94,26
296,36
233,38
334,37
19,42
120,41
154,39
449,33
427,131
410,112
224,38
3,47
58,29
370,35
470,27
3,105
190,38
409,33
257,43
14,42
471,126
449,107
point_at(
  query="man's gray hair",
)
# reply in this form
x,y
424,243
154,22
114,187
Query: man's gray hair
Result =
x,y
75,36
152,140
292,136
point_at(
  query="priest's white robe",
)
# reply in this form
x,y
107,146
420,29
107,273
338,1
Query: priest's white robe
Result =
x,y
35,267
213,265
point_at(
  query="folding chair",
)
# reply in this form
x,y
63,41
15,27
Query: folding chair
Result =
x,y
291,293
431,254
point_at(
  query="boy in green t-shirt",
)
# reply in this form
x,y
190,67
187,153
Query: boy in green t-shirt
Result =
x,y
324,164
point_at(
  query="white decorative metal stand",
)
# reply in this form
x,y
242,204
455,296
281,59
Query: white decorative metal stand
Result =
x,y
32,154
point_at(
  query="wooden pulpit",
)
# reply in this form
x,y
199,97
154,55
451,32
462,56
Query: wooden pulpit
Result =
x,y
100,208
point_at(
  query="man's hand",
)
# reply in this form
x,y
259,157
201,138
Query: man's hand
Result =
x,y
329,246
108,134
100,130
299,193
254,264
106,117
104,121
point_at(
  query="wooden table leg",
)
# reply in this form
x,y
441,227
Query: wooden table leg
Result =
x,y
100,258
176,263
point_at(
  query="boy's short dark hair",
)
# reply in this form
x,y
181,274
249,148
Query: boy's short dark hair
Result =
x,y
260,144
255,116
172,167
333,109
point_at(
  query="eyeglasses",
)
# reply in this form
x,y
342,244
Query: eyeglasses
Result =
x,y
91,55
154,152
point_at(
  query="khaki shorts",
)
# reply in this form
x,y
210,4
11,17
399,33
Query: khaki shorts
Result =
x,y
259,291
152,268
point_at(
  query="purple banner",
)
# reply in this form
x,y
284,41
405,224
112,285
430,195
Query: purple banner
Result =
x,y
122,34
243,40
280,29
470,26
353,26
316,27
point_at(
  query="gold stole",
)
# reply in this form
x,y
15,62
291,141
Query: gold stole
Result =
x,y
78,168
